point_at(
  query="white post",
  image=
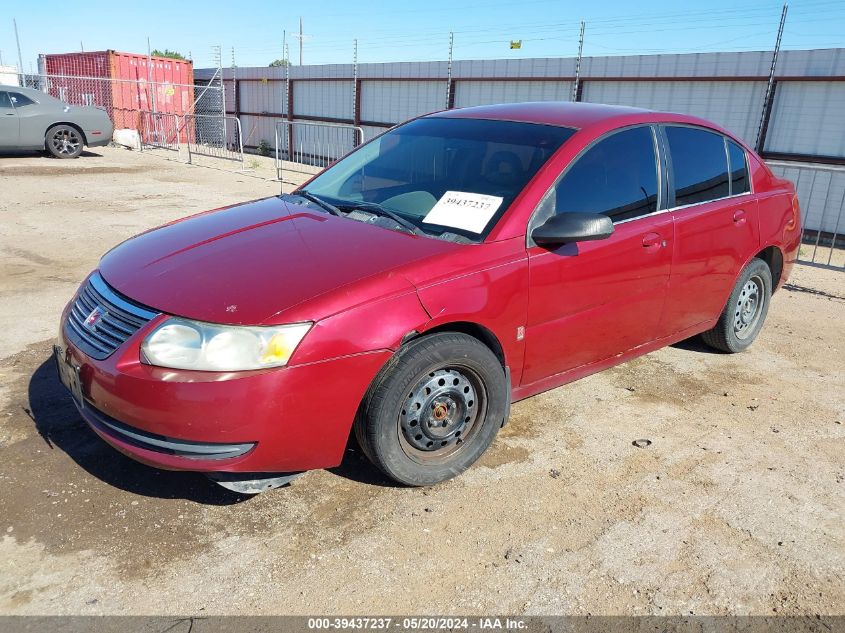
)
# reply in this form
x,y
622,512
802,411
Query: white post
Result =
x,y
449,70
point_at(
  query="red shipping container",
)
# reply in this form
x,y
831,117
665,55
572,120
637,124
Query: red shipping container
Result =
x,y
125,84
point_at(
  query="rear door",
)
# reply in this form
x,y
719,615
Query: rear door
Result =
x,y
9,122
716,223
589,301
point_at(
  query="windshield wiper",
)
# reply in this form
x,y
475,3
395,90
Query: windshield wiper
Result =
x,y
378,209
326,206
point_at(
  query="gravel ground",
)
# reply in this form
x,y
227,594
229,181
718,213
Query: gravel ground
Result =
x,y
735,507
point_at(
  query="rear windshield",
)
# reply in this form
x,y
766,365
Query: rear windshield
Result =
x,y
444,175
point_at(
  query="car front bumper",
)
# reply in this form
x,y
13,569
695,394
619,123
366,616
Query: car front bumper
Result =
x,y
279,420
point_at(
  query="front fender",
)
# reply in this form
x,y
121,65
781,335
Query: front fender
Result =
x,y
367,327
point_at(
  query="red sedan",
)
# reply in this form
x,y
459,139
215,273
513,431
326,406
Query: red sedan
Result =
x,y
413,290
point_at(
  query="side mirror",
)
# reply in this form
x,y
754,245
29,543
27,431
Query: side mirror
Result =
x,y
572,227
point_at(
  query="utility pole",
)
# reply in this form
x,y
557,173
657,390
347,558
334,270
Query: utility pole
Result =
x,y
18,42
578,63
301,37
770,86
449,70
284,45
81,47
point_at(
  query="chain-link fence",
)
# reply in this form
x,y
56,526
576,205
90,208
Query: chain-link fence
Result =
x,y
165,115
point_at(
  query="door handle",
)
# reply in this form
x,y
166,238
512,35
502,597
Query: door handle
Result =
x,y
653,240
739,217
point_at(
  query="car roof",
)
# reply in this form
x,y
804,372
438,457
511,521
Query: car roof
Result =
x,y
570,114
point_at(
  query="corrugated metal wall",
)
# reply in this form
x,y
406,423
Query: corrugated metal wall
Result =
x,y
735,105
323,99
808,117
395,101
470,93
805,123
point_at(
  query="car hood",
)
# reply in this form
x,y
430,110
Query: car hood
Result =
x,y
263,262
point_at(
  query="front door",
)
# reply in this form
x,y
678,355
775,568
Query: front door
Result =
x,y
9,122
589,301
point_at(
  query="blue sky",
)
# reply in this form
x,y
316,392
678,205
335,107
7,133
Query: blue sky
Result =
x,y
414,30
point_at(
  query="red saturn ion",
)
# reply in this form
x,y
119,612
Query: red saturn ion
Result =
x,y
414,289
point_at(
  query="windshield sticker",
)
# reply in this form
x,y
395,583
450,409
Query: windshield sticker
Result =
x,y
462,210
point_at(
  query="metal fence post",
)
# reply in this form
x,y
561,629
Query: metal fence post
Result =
x,y
576,86
770,86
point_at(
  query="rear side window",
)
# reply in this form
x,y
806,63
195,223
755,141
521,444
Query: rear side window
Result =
x,y
699,163
739,169
20,100
5,102
616,177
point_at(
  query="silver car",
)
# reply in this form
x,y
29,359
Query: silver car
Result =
x,y
31,119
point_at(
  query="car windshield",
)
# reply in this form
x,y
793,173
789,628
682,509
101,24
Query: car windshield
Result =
x,y
450,178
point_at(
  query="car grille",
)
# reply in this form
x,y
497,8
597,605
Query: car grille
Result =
x,y
119,318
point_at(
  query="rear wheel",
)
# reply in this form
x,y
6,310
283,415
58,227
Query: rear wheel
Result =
x,y
63,141
745,313
434,409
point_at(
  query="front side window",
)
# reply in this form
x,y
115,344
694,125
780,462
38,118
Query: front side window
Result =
x,y
616,177
20,100
739,169
699,164
5,101
446,176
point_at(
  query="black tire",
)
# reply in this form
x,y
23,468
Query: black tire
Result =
x,y
743,316
64,141
465,406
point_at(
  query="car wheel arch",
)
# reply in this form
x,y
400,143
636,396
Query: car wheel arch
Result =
x,y
69,124
470,328
773,256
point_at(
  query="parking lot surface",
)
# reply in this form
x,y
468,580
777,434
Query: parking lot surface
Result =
x,y
735,506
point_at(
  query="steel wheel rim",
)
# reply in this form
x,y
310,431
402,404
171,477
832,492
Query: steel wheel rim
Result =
x,y
65,141
748,307
442,411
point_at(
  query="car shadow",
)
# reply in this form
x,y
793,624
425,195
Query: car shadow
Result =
x,y
86,153
356,467
695,344
60,425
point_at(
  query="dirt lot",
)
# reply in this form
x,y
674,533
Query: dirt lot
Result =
x,y
736,506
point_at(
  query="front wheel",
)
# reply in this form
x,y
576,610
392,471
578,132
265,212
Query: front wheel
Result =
x,y
745,313
434,409
63,141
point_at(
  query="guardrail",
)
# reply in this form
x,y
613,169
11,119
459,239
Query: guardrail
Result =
x,y
304,148
160,130
213,135
821,192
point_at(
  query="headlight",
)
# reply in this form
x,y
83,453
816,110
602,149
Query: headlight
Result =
x,y
183,344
